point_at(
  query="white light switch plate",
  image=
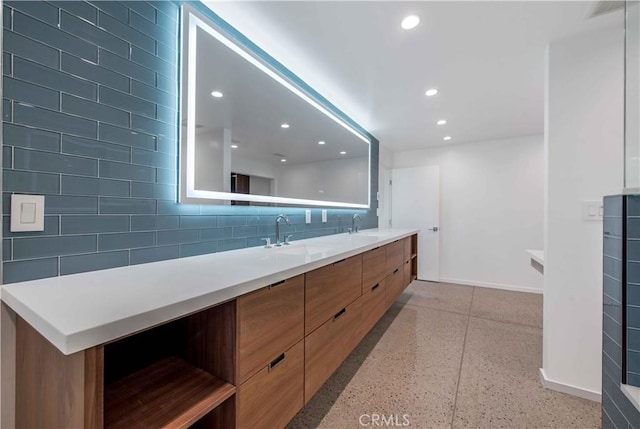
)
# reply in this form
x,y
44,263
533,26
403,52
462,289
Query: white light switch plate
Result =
x,y
27,213
307,216
592,210
324,216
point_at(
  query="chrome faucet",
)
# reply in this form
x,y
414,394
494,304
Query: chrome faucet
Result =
x,y
354,228
278,219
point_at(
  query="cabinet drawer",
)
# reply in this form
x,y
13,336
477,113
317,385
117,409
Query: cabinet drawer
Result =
x,y
373,306
270,320
394,256
329,345
373,267
273,396
329,289
406,278
395,286
407,249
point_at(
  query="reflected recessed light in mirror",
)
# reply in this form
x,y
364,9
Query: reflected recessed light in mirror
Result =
x,y
321,142
410,22
431,92
283,160
284,126
343,153
447,138
234,146
216,94
441,122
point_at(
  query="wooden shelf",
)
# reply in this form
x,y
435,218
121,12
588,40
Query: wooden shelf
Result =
x,y
168,393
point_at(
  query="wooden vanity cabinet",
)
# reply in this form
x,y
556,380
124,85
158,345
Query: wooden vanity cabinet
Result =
x,y
270,321
395,286
275,394
373,306
329,345
373,267
394,256
330,289
250,362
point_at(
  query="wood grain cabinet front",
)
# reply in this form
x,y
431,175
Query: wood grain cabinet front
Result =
x,y
330,289
274,395
407,249
373,306
373,267
270,320
395,286
406,278
394,256
329,345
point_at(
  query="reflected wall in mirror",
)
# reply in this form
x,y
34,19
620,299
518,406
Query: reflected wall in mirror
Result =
x,y
252,136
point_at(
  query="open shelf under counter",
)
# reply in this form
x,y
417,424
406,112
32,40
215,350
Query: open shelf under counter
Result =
x,y
168,393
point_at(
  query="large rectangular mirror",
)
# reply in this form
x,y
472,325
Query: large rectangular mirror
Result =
x,y
252,136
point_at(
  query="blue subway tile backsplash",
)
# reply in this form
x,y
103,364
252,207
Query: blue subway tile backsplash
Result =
x,y
91,121
55,79
620,339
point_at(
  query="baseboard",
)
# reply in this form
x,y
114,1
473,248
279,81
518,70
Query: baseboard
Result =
x,y
569,389
492,285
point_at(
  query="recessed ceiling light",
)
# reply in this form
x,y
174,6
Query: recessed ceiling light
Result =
x,y
216,94
441,122
284,126
283,160
321,142
431,92
410,22
447,138
343,153
234,146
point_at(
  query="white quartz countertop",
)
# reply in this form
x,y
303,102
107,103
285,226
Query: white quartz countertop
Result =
x,y
537,255
79,311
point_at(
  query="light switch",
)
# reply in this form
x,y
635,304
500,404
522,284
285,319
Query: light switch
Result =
x,y
307,216
592,210
27,213
324,216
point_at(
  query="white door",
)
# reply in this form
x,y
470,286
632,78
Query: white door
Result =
x,y
415,203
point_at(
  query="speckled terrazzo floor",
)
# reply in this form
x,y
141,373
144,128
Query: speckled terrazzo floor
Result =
x,y
448,356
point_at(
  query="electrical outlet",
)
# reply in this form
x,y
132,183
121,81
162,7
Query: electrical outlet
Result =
x,y
324,216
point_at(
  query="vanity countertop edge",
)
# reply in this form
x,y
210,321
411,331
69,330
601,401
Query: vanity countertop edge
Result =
x,y
80,311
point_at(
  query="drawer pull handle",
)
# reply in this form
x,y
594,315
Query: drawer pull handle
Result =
x,y
337,262
272,285
376,286
339,314
396,270
276,361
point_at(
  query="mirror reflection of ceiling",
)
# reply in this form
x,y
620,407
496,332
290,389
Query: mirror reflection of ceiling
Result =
x,y
254,106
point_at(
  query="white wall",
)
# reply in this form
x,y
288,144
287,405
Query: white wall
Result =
x,y
491,209
584,143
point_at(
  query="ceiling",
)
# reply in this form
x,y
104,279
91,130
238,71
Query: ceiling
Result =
x,y
485,58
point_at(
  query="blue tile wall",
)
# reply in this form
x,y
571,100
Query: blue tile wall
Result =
x,y
90,114
617,411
